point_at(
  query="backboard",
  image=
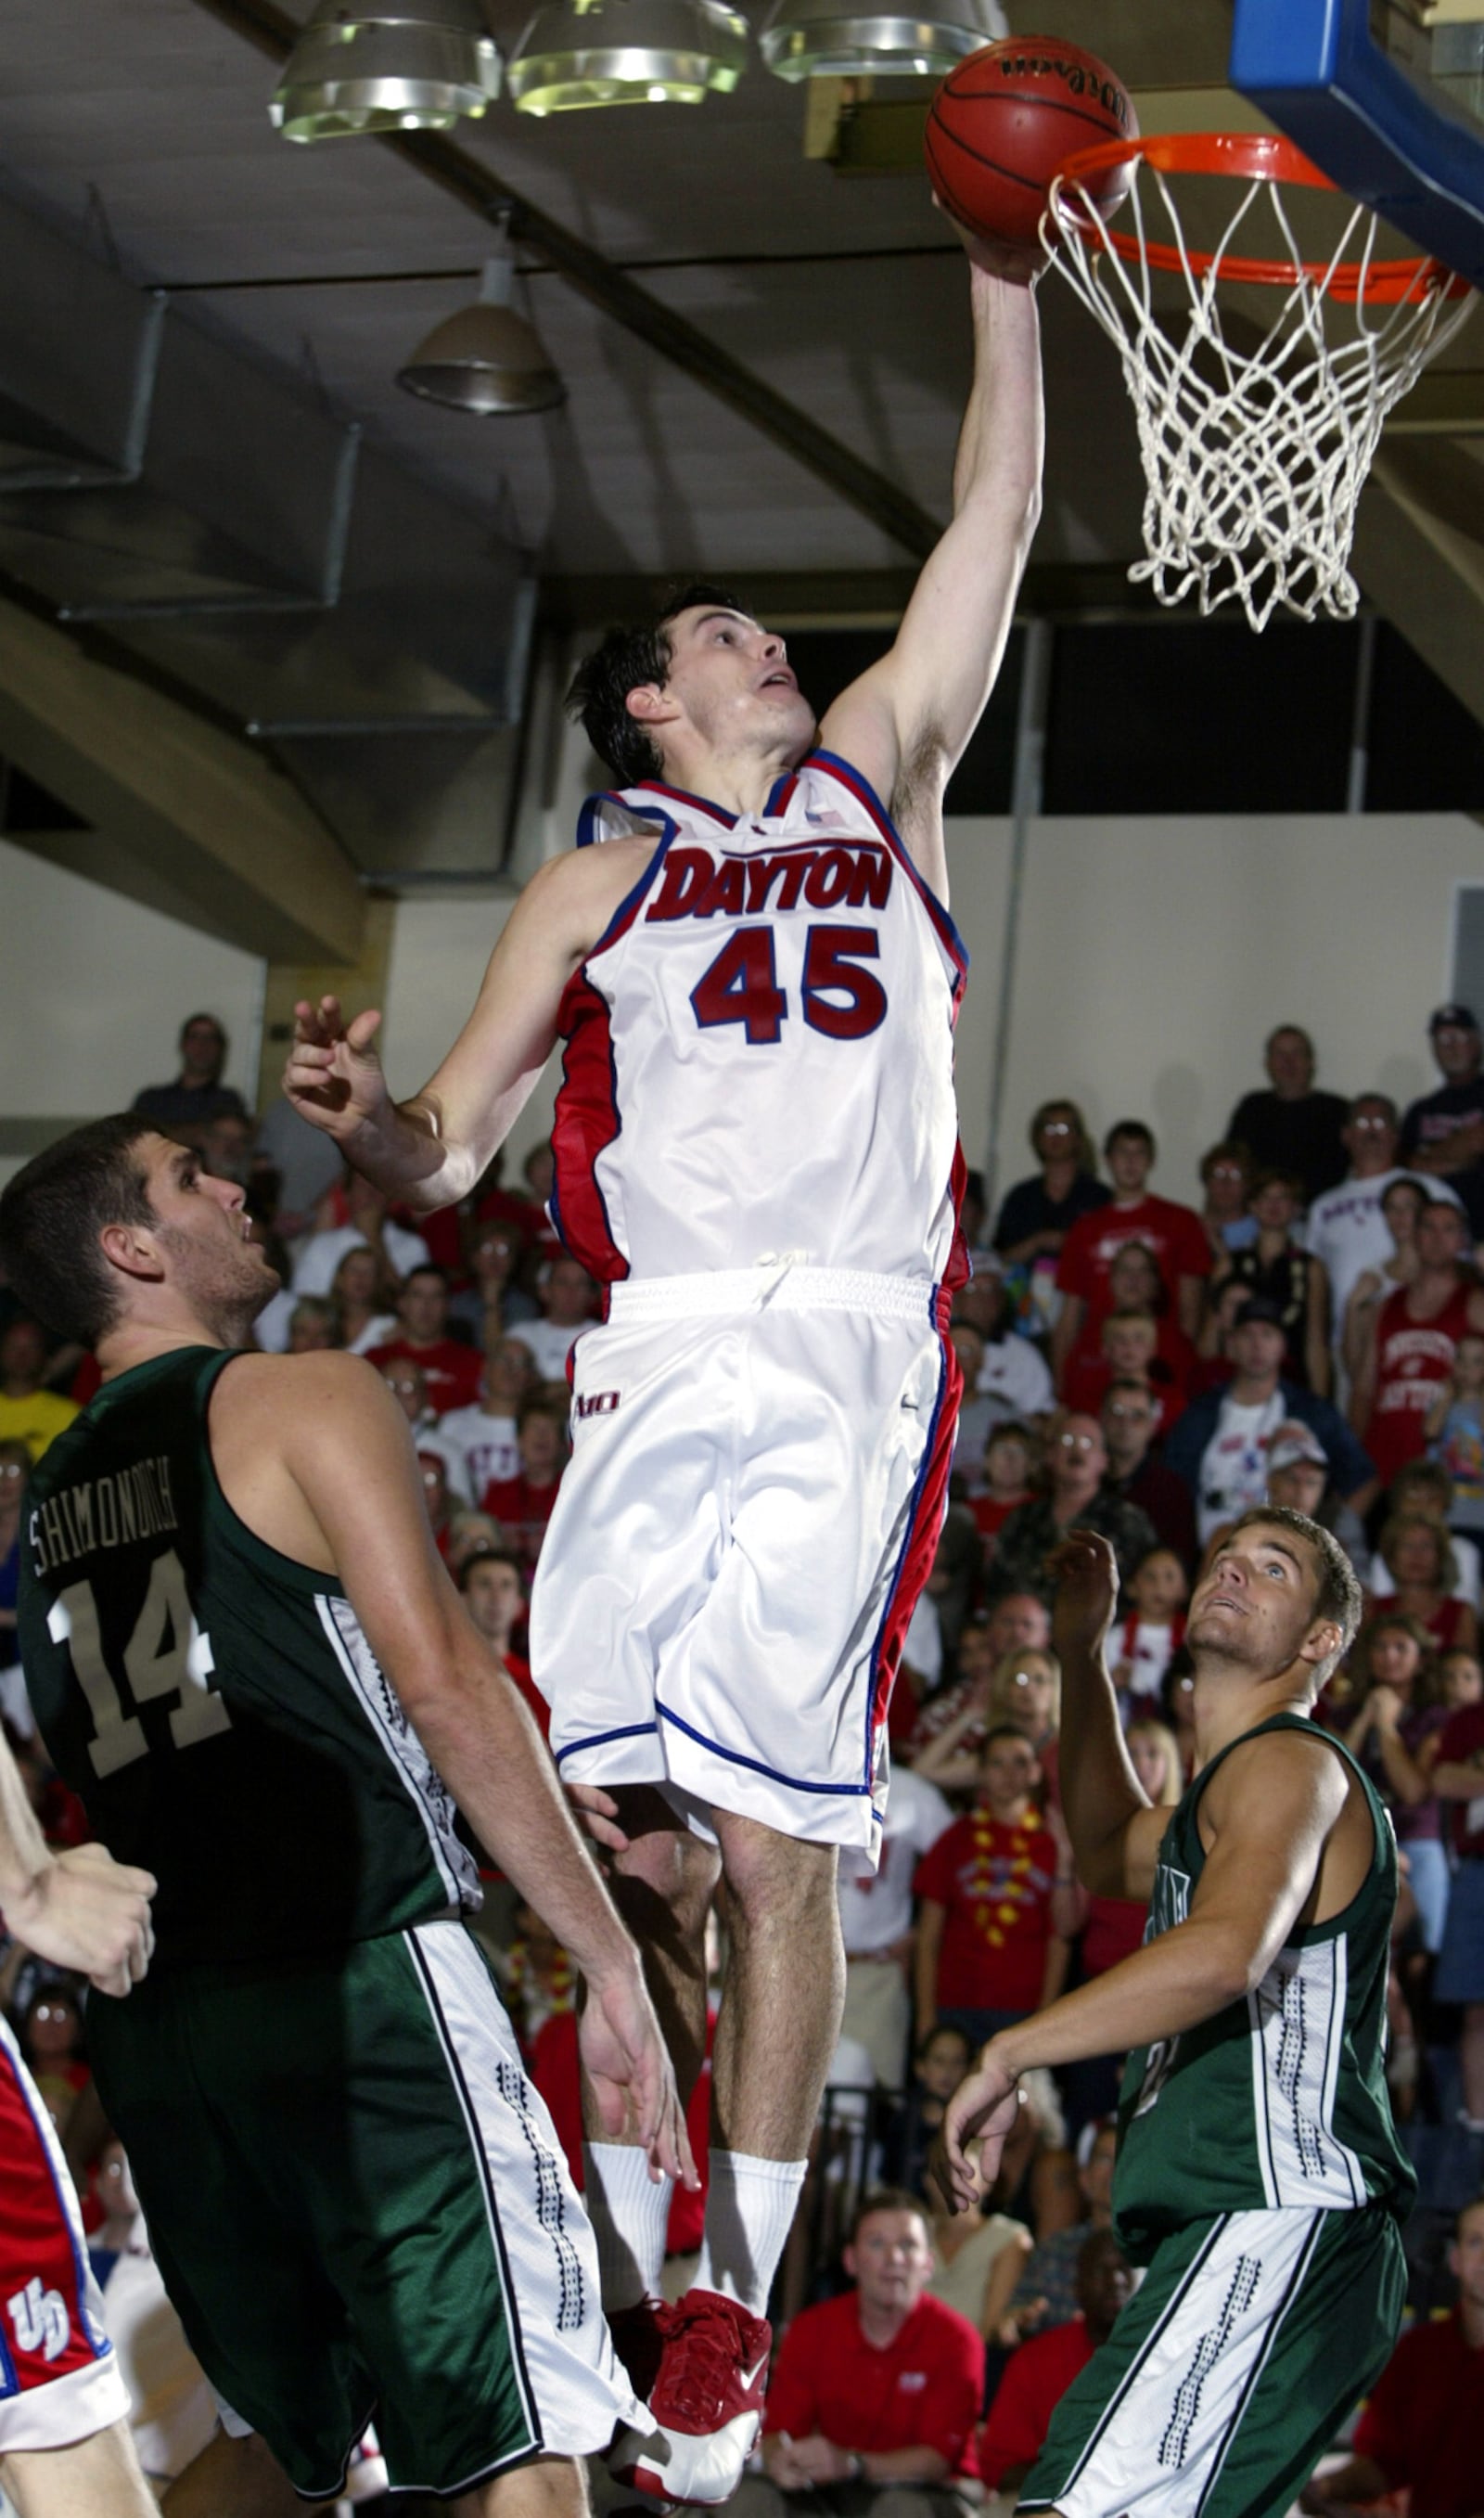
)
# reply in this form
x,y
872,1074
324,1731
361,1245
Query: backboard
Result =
x,y
1388,98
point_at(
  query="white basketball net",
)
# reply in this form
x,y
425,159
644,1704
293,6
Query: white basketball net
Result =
x,y
1255,461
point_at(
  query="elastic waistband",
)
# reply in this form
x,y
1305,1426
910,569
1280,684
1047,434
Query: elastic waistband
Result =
x,y
782,1286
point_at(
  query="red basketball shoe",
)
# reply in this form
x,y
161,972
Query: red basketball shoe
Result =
x,y
708,2402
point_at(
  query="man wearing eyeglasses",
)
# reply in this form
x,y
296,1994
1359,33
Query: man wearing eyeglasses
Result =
x,y
1081,1498
1130,1418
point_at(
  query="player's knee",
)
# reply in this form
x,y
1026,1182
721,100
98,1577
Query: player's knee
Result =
x,y
664,1866
775,1879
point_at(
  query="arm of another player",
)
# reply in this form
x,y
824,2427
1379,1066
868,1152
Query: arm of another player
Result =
x,y
1273,1807
430,1151
906,722
1116,1834
345,1446
80,1909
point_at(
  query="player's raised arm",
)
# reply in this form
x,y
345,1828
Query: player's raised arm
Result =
x,y
341,1489
1114,1833
429,1151
906,720
79,1909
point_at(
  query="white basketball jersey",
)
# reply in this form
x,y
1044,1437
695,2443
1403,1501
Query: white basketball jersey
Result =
x,y
759,1048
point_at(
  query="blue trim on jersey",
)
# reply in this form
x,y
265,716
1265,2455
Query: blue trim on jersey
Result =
x,y
600,1739
861,787
623,916
683,795
907,1544
735,1757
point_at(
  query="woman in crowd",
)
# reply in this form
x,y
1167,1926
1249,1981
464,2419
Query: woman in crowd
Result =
x,y
1399,1713
1226,1176
1036,1213
364,1298
494,1301
1134,1285
1418,1556
1023,1687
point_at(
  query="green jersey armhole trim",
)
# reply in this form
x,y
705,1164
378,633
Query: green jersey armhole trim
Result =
x,y
256,1551
1306,1936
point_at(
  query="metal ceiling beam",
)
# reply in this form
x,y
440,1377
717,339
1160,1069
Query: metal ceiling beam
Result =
x,y
478,187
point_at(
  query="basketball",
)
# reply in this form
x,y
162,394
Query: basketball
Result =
x,y
1004,123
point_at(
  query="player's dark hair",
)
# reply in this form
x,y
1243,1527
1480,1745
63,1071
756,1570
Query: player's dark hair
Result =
x,y
886,2199
621,662
1338,1592
52,1213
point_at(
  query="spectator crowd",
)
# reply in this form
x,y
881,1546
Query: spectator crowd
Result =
x,y
1312,1334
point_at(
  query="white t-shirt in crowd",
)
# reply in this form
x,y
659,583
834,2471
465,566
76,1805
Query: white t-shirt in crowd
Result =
x,y
485,1445
877,1911
322,1254
1348,1231
1017,1377
1234,1462
551,1344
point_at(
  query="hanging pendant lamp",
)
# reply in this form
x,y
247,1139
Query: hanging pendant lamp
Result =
x,y
579,52
487,358
386,65
849,39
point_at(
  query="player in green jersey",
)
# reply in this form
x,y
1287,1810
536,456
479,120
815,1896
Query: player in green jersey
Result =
x,y
1259,2176
245,1654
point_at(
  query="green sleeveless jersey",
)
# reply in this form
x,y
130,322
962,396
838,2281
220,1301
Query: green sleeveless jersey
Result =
x,y
1281,2098
215,1705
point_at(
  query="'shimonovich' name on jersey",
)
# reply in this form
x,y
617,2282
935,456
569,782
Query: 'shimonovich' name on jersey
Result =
x,y
693,885
102,1513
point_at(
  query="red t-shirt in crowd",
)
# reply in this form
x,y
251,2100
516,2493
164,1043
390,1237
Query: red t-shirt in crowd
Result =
x,y
451,1372
1414,1360
995,1883
1461,1735
1114,1930
1036,2378
990,1515
924,2390
1088,1373
1175,1236
523,1511
1422,2424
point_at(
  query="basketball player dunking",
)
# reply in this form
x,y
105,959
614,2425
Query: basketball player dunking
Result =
x,y
756,980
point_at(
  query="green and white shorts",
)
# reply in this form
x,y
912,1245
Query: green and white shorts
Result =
x,y
361,2211
1230,2370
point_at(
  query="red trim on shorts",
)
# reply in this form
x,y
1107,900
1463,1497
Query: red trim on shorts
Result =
x,y
921,1545
44,2330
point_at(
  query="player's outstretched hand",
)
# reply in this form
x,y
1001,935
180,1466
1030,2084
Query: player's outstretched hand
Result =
x,y
1086,1575
632,2080
333,1075
87,1912
980,2115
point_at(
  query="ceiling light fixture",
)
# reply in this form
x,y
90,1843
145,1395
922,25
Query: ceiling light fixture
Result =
x,y
487,358
386,65
626,51
848,39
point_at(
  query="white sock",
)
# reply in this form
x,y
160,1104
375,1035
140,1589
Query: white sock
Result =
x,y
630,2214
749,2213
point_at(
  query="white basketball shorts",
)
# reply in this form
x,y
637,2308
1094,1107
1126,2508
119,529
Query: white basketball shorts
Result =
x,y
758,1479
